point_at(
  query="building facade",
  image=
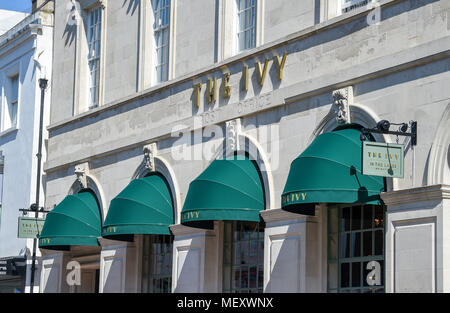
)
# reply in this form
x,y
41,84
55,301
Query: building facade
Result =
x,y
25,57
215,146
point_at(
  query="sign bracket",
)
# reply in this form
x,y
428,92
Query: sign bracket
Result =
x,y
383,128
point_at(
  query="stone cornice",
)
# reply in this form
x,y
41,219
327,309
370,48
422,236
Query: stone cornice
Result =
x,y
379,67
420,194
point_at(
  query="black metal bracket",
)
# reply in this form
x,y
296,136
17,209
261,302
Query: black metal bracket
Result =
x,y
34,208
379,130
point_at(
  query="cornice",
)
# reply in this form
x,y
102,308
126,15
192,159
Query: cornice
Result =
x,y
420,194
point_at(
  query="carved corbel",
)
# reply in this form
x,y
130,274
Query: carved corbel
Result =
x,y
82,170
342,98
149,156
233,129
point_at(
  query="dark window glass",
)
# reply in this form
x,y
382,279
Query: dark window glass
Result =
x,y
244,254
345,219
157,264
356,217
345,275
359,239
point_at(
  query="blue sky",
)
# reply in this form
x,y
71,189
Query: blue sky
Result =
x,y
16,5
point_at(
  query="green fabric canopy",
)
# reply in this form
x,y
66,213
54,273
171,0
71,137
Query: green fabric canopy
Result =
x,y
75,221
329,171
143,207
229,189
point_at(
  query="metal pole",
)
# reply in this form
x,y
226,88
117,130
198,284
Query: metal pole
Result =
x,y
43,86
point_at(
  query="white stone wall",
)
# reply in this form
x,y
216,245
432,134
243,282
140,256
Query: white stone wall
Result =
x,y
398,70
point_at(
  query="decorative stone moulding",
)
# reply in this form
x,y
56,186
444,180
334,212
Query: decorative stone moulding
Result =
x,y
82,170
233,130
342,98
149,156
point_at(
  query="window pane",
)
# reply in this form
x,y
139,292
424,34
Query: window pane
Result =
x,y
379,242
356,218
367,243
356,274
378,221
356,244
345,275
345,246
345,220
367,216
14,88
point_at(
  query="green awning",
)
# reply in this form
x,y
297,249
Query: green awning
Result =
x,y
229,189
75,221
143,207
329,171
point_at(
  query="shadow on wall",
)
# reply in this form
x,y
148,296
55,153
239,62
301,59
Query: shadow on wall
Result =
x,y
132,5
285,263
188,271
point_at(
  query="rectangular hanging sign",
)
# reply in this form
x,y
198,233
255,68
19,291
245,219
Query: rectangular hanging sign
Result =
x,y
382,159
29,227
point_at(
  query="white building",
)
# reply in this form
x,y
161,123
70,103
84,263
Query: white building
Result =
x,y
25,57
148,96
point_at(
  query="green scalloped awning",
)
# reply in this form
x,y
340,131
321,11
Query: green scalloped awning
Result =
x,y
329,171
143,207
228,189
75,221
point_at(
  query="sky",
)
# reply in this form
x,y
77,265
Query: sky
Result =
x,y
16,5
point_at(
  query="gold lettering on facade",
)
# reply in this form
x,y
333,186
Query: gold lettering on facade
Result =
x,y
245,78
303,196
211,91
226,87
261,72
280,62
197,89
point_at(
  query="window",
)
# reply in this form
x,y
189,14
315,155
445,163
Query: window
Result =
x,y
243,257
11,91
348,5
356,248
246,26
161,13
157,264
94,21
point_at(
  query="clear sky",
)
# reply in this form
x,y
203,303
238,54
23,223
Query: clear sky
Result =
x,y
16,5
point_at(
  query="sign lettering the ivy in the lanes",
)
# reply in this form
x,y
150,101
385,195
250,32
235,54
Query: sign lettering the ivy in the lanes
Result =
x,y
382,159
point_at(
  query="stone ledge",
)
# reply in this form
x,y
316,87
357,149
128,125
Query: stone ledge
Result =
x,y
182,230
276,215
420,194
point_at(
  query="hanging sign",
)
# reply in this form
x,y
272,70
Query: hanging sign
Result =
x,y
382,159
29,227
